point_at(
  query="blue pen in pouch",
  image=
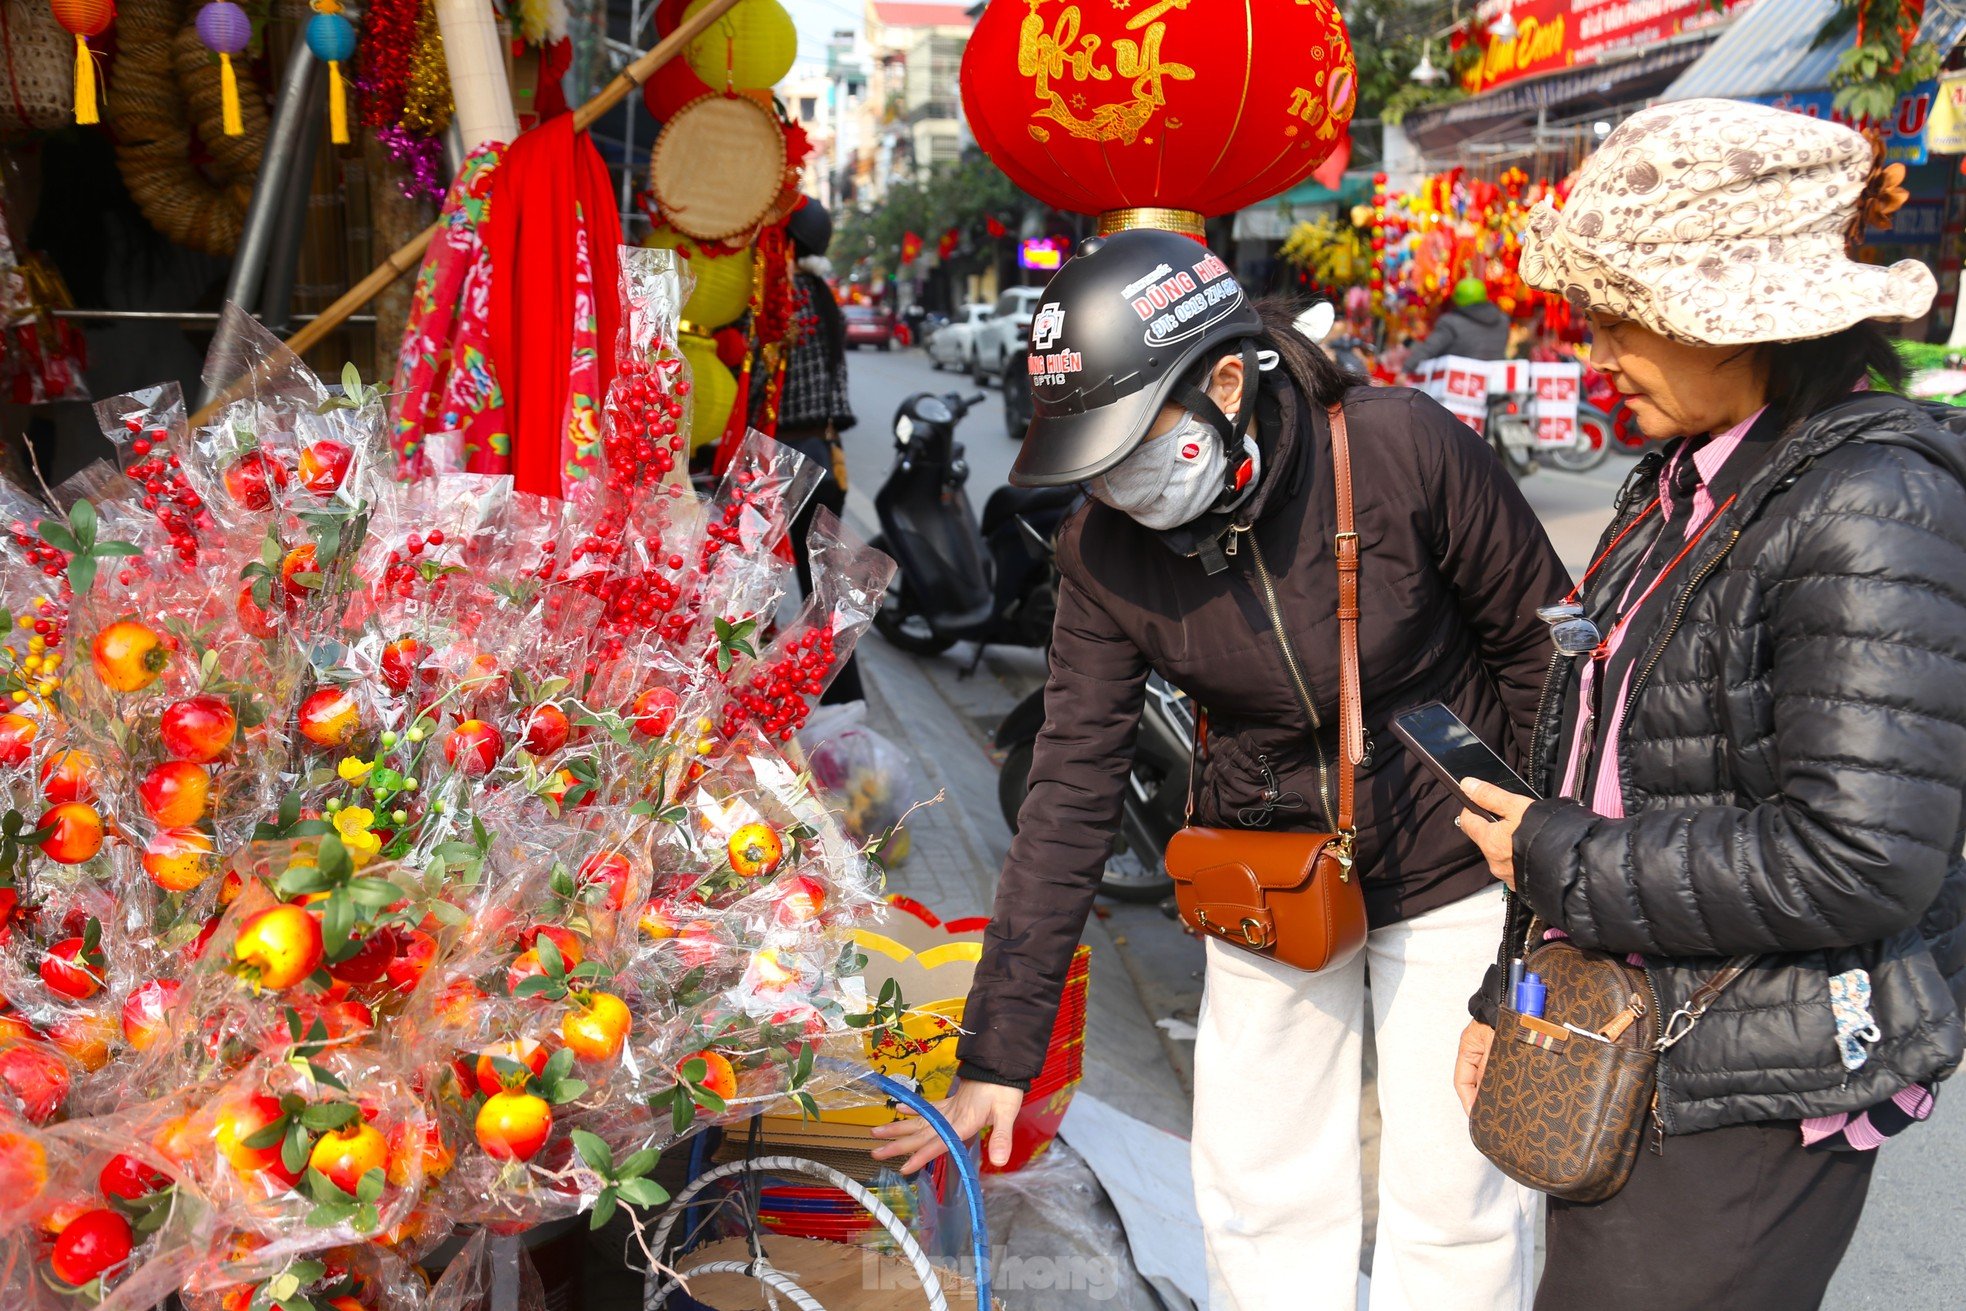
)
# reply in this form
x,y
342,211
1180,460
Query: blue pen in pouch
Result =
x,y
1856,1027
1531,996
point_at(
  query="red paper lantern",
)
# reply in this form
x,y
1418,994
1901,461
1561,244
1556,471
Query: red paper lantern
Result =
x,y
1158,106
670,88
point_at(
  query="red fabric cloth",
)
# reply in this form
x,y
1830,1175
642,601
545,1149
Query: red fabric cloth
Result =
x,y
550,185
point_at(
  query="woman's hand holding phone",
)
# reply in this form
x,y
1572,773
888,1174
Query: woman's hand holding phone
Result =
x,y
1495,837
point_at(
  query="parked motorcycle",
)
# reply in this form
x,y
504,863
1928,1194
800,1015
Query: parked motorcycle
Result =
x,y
1154,803
1593,445
988,581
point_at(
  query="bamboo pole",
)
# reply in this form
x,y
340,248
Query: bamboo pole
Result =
x,y
410,255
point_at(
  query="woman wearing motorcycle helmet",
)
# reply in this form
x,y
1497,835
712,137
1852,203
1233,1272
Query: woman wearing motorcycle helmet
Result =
x,y
1198,422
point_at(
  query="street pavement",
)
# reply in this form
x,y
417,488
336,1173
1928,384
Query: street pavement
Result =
x,y
1147,972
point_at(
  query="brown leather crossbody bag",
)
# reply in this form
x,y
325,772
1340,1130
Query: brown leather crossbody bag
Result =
x,y
1290,897
1565,1095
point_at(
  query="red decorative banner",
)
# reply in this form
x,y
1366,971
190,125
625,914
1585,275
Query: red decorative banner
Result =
x,y
1552,35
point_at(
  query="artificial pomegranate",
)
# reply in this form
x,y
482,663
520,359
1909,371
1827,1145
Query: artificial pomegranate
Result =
x,y
473,748
278,947
547,730
252,479
597,1027
130,1179
72,968
38,1078
175,793
298,574
801,899
128,656
402,660
84,1038
147,1011
74,833
654,711
719,1075
198,729
17,734
23,1168
521,1051
755,850
179,859
324,466
772,972
95,1243
415,950
513,1126
610,870
407,1143
370,961
241,1119
329,718
68,775
344,1155
254,617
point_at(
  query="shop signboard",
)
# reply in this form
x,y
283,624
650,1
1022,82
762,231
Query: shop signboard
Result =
x,y
1904,140
1040,253
1552,35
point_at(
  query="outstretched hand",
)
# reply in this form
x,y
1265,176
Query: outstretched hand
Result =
x,y
973,1107
1495,837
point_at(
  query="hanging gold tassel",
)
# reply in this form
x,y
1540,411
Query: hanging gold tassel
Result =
x,y
337,106
85,82
229,96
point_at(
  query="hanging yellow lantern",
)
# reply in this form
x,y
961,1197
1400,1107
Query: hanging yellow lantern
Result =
x,y
723,282
751,46
712,391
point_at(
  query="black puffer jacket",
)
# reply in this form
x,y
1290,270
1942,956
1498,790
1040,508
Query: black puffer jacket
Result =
x,y
1794,772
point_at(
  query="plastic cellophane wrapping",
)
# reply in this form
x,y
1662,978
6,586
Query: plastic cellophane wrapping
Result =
x,y
388,854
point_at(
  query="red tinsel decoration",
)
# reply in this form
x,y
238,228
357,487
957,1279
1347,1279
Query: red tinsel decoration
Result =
x,y
387,51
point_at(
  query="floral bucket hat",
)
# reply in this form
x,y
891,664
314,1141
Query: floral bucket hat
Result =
x,y
1722,223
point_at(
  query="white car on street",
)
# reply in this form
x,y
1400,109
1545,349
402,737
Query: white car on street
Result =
x,y
1008,331
953,345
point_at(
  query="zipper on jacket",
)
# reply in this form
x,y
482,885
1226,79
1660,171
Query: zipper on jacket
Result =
x,y
1269,591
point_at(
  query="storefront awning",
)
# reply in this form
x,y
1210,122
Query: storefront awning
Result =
x,y
1609,82
1771,48
1272,219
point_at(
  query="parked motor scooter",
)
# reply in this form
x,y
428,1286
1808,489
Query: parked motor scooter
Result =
x,y
1154,803
991,581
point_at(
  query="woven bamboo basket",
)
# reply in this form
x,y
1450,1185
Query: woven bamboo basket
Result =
x,y
37,69
718,167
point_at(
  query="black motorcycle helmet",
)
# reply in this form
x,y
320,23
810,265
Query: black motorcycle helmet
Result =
x,y
811,228
1123,329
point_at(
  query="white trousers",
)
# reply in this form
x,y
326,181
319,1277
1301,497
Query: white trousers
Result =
x,y
1278,1077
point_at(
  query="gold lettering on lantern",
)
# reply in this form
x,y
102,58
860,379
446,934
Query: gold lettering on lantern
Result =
x,y
1063,53
1308,105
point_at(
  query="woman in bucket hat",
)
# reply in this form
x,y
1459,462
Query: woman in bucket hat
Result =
x,y
1759,747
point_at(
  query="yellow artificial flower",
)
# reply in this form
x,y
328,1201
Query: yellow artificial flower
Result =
x,y
353,770
352,822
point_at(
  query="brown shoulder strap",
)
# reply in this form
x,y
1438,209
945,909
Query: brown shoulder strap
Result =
x,y
1351,713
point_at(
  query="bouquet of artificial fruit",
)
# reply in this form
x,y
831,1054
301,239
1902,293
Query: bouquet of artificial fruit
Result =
x,y
390,853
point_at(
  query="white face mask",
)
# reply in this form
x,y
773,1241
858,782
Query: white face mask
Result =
x,y
1171,480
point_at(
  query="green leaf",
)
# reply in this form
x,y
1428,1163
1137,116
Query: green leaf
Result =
x,y
293,1152
643,1192
558,1066
549,956
82,574
375,892
603,1209
709,1101
594,1150
322,1116
694,1070
57,535
566,1090
82,518
337,918
540,986
369,1187
638,1164
261,1139
300,880
117,548
329,1214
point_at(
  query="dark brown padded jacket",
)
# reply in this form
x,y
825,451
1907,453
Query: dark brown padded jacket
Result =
x,y
1453,566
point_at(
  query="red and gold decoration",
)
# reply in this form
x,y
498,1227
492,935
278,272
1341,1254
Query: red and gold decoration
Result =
x,y
1548,36
403,89
84,19
1159,113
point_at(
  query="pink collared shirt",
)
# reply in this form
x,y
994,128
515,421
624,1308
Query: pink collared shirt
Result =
x,y
1607,797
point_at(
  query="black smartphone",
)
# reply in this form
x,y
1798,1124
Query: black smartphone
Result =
x,y
1451,750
